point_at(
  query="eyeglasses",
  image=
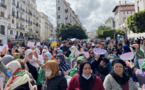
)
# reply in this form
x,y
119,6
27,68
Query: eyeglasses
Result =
x,y
91,53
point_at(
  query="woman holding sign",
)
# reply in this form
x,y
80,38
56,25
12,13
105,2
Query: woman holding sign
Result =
x,y
138,54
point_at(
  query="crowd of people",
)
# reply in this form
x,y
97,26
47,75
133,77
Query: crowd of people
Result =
x,y
65,67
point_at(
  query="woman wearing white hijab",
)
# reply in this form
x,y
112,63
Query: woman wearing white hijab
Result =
x,y
74,52
19,79
31,63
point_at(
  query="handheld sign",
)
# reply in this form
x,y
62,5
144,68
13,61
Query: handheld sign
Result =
x,y
108,38
38,44
54,43
1,48
6,46
127,56
30,44
140,62
86,54
98,51
1,83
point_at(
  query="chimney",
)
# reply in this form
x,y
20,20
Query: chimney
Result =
x,y
119,2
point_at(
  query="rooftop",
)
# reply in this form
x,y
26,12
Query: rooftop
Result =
x,y
122,5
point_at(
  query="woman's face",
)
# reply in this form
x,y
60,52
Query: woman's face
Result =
x,y
57,59
112,57
61,52
45,58
114,51
30,56
47,69
91,53
118,69
87,70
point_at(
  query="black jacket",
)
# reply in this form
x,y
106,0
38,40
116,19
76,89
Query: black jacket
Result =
x,y
57,83
23,87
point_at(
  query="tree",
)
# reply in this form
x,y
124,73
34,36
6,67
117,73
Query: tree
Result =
x,y
71,31
136,22
106,31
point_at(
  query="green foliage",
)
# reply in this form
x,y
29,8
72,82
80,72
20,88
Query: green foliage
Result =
x,y
136,22
71,31
108,32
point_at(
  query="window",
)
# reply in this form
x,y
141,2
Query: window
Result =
x,y
3,1
2,31
13,21
58,8
11,32
2,14
127,11
58,17
138,9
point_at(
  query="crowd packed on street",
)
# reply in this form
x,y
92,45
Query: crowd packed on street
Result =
x,y
73,65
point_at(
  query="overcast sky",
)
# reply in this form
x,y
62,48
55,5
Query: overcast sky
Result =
x,y
92,13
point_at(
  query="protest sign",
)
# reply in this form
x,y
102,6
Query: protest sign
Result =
x,y
38,44
140,62
108,38
30,44
127,56
86,54
54,43
1,48
1,83
98,51
6,46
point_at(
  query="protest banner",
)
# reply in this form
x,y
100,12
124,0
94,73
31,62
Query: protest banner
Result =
x,y
98,51
86,54
127,56
38,44
6,46
30,44
140,62
1,48
54,43
108,38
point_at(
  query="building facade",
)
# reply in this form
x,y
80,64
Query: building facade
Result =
x,y
139,5
20,20
47,30
65,14
4,21
110,22
122,11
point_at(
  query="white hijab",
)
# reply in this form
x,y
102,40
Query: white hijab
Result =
x,y
31,61
14,65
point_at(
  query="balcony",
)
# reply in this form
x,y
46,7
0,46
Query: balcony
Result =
x,y
13,15
22,28
17,6
3,5
4,19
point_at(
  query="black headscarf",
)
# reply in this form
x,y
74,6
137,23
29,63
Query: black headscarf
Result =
x,y
118,79
63,65
86,84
